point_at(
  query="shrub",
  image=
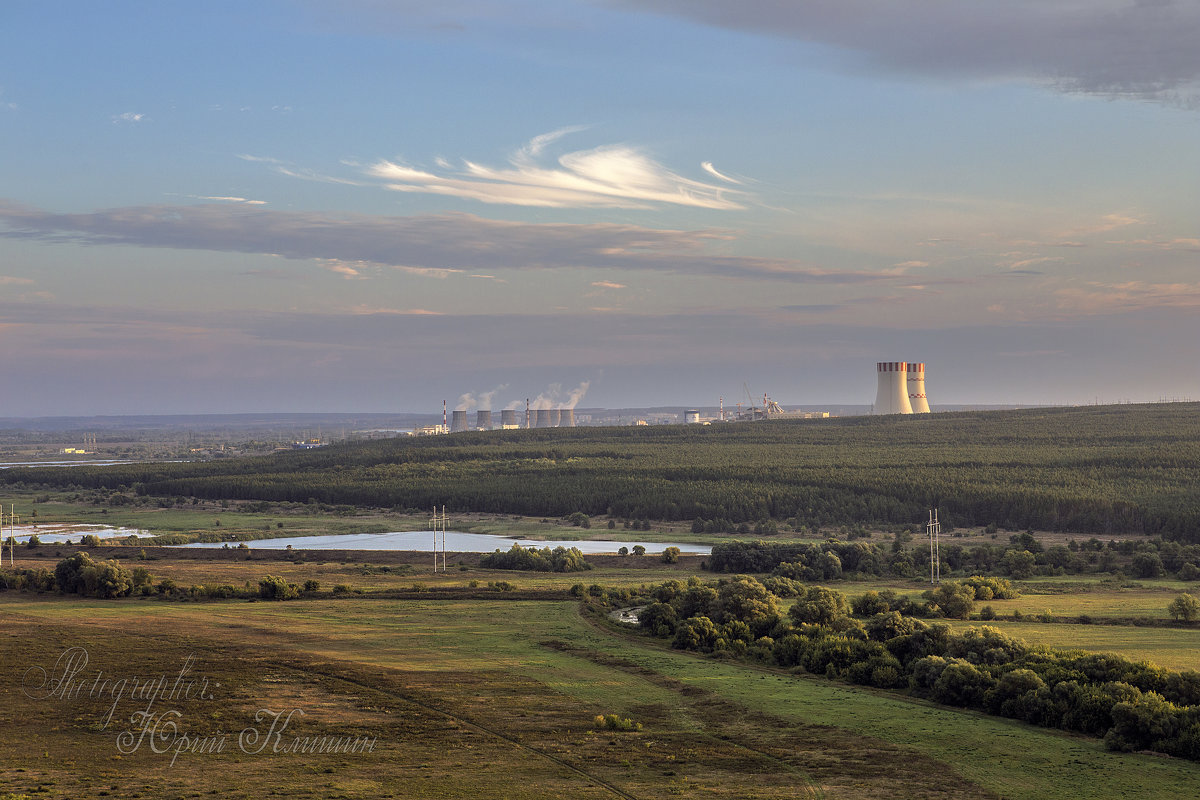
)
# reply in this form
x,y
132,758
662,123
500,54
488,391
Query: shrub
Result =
x,y
612,722
670,555
273,587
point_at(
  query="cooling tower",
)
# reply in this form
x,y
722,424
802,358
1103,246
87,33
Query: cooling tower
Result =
x,y
458,422
916,389
483,420
567,419
892,397
541,418
508,418
555,417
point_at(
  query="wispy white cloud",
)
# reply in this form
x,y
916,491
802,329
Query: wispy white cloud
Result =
x,y
1104,298
608,285
366,310
128,116
228,199
708,167
610,176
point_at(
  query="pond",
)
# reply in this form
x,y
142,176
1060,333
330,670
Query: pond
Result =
x,y
456,542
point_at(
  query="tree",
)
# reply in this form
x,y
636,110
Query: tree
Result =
x,y
1146,565
1019,563
639,550
955,600
1184,608
819,606
670,555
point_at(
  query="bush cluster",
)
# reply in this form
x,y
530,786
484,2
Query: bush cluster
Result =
x,y
560,559
1133,705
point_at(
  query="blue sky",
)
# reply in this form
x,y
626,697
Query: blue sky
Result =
x,y
300,205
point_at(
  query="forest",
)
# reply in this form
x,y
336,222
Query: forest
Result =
x,y
1103,470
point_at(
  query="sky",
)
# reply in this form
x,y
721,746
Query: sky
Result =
x,y
378,205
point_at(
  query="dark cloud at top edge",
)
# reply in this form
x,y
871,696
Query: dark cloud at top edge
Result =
x,y
1133,48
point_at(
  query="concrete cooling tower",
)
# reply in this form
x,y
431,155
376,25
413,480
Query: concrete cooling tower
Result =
x,y
542,418
567,420
892,396
483,420
508,418
555,417
458,422
916,389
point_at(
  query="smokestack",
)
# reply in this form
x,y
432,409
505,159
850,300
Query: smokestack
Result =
x,y
568,418
892,397
541,418
508,418
458,422
483,420
555,417
916,389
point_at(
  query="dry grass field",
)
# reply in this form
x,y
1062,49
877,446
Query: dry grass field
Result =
x,y
480,697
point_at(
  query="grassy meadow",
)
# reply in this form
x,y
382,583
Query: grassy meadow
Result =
x,y
495,696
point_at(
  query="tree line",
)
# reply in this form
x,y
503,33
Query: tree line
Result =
x,y
1098,470
874,641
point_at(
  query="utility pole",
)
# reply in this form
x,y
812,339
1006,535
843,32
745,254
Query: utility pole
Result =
x,y
935,558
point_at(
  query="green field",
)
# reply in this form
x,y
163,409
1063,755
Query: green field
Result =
x,y
473,698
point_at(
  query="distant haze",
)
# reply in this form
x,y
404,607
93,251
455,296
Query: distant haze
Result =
x,y
615,204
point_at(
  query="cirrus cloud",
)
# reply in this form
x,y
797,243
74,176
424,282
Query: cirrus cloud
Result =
x,y
609,176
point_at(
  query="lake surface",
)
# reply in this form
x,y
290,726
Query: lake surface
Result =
x,y
456,542
57,534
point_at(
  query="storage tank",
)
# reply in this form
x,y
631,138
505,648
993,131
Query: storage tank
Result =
x,y
483,420
916,388
892,396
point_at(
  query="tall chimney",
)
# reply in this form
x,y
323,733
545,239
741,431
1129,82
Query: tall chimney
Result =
x,y
916,389
567,420
892,397
458,422
508,418
483,420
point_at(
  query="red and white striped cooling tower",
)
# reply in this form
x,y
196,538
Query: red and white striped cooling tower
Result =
x,y
892,397
916,388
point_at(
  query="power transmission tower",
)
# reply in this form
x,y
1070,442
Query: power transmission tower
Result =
x,y
935,560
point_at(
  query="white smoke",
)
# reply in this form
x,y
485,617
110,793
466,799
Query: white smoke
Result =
x,y
466,402
576,394
548,398
485,398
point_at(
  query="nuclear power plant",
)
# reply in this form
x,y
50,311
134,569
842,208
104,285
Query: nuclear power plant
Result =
x,y
901,388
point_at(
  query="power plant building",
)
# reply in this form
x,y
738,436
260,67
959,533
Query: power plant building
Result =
x,y
901,388
916,389
892,394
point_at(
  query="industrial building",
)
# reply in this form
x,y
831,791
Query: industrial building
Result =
x,y
901,388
